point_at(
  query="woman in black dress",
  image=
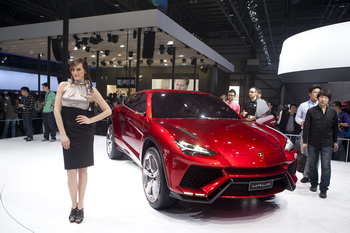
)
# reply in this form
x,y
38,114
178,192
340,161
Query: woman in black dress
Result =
x,y
72,102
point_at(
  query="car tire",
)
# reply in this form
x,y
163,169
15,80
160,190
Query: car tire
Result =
x,y
113,150
153,180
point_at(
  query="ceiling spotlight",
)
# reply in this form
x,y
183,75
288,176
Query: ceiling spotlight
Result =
x,y
194,61
87,49
112,38
183,60
161,61
103,63
76,37
170,50
252,13
130,54
119,63
204,68
84,40
111,62
254,19
149,62
93,39
161,49
107,52
77,45
99,38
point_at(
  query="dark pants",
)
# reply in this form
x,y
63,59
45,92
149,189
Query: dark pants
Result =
x,y
326,156
28,125
50,125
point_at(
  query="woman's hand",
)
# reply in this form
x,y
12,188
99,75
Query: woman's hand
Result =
x,y
65,142
81,119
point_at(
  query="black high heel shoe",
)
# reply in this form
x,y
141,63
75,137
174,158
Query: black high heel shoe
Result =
x,y
79,216
72,215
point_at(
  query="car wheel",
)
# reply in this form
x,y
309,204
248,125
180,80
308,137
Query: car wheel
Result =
x,y
153,180
113,150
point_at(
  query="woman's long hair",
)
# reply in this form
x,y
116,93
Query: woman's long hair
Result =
x,y
87,77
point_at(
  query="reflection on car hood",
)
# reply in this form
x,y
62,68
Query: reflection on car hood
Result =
x,y
229,137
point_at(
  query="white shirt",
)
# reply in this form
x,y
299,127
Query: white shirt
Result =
x,y
301,113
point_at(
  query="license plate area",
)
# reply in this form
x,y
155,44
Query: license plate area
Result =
x,y
260,185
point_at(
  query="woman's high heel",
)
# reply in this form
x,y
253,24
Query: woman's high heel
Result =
x,y
79,216
72,215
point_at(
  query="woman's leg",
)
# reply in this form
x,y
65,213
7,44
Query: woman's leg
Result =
x,y
73,186
82,172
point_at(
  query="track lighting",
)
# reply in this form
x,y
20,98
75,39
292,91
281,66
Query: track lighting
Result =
x,y
170,50
161,49
103,63
76,37
93,39
84,40
149,62
99,38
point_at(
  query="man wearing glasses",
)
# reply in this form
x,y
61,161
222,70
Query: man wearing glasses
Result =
x,y
249,108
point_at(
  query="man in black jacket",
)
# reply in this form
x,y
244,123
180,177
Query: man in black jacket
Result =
x,y
319,136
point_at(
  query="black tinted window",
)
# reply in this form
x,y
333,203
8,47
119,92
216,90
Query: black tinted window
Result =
x,y
189,105
136,102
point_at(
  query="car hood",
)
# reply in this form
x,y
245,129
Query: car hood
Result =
x,y
233,138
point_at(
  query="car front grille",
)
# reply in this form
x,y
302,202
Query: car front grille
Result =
x,y
240,186
197,177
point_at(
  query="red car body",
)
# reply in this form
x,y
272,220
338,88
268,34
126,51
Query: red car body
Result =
x,y
200,158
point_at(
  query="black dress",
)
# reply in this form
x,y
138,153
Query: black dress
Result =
x,y
81,136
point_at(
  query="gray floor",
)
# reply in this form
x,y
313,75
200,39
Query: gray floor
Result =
x,y
34,198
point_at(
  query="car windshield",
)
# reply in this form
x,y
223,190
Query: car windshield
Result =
x,y
190,105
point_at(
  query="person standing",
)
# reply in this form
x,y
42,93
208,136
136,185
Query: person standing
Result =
x,y
231,101
11,105
70,110
49,118
343,123
249,108
300,119
320,134
288,124
26,106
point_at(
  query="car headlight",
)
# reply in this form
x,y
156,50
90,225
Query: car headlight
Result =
x,y
289,145
192,149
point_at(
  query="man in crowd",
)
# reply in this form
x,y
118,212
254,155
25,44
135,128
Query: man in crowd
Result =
x,y
249,108
320,134
300,119
231,101
343,123
26,106
49,118
181,84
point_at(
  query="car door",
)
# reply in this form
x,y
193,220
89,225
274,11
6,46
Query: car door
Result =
x,y
135,122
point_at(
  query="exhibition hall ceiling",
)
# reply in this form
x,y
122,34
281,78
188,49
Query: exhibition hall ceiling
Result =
x,y
230,27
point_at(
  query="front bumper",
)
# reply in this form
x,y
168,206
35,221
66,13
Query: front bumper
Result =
x,y
205,185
